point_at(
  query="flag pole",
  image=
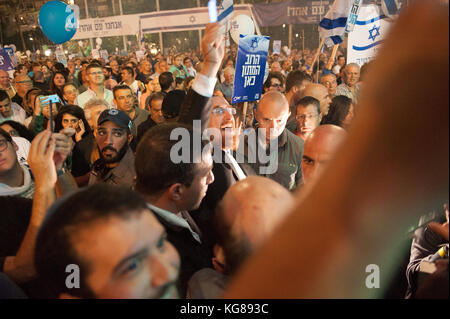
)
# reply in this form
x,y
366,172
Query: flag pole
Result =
x,y
333,55
317,55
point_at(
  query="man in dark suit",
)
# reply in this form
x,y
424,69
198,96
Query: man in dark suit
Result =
x,y
172,188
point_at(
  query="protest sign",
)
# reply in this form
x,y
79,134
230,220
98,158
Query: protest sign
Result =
x,y
12,56
104,55
61,57
276,46
367,36
140,55
250,68
95,54
5,61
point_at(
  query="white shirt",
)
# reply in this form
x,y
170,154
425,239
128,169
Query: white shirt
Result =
x,y
173,219
23,148
84,97
26,190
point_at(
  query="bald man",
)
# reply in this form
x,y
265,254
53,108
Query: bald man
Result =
x,y
319,92
350,88
276,152
248,214
320,147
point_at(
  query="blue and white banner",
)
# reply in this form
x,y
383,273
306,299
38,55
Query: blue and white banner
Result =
x,y
366,38
250,68
12,56
5,61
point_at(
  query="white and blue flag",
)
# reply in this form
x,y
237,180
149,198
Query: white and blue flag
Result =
x,y
366,38
332,26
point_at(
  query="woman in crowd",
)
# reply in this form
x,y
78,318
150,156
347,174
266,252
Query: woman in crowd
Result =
x,y
16,129
57,83
341,112
41,114
151,86
72,116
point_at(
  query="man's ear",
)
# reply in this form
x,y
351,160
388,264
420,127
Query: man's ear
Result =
x,y
65,295
130,138
176,191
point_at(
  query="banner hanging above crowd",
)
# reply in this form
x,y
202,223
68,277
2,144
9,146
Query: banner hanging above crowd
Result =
x,y
107,27
290,12
151,22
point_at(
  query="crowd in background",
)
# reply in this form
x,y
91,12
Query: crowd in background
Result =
x,y
174,229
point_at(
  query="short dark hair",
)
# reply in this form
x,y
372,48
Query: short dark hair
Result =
x,y
54,245
21,129
128,69
5,134
274,75
121,87
309,100
339,108
179,81
73,110
165,80
185,59
4,95
296,78
92,66
155,171
152,97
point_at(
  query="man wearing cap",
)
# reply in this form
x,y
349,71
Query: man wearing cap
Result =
x,y
116,163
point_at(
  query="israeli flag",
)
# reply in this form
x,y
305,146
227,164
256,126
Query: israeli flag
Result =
x,y
368,35
332,26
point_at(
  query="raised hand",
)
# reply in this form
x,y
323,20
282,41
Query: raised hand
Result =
x,y
212,48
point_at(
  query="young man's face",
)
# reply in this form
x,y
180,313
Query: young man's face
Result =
x,y
307,119
5,108
126,76
128,258
111,139
124,100
193,195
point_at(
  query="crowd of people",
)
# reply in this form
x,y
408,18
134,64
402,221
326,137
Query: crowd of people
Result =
x,y
102,190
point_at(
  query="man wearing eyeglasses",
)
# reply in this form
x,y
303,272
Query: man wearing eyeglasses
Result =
x,y
96,87
22,83
308,116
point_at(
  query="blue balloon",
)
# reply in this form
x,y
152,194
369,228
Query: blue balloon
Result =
x,y
58,21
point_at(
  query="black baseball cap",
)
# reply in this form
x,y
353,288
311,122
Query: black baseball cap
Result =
x,y
118,117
